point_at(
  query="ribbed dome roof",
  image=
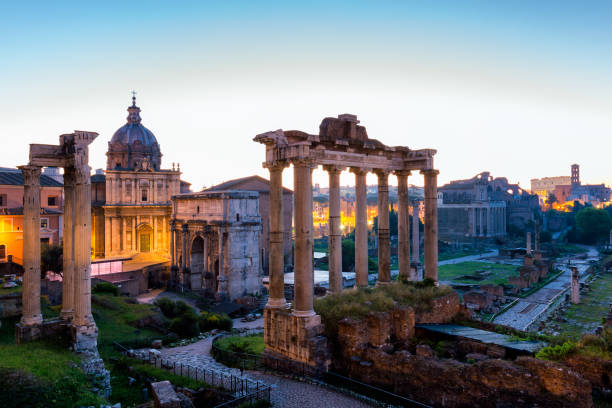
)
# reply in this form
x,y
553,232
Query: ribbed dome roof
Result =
x,y
133,130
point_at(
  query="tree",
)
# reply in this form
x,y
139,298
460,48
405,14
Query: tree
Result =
x,y
593,225
393,222
551,200
348,255
50,260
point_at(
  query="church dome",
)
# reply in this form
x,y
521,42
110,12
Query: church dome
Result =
x,y
132,144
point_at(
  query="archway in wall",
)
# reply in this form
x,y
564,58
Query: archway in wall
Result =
x,y
145,238
197,255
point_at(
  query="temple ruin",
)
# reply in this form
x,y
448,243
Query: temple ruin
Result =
x,y
72,154
341,144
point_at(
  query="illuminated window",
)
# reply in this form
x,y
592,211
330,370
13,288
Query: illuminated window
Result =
x,y
144,194
44,223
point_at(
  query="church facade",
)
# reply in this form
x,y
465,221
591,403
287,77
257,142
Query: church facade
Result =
x,y
131,202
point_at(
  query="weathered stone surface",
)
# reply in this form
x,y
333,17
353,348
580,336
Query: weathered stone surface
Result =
x,y
497,291
443,310
156,344
489,383
597,371
495,351
379,328
403,323
164,395
476,357
352,335
478,300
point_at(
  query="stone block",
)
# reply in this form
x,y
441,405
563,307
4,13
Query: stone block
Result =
x,y
164,395
352,335
379,328
403,323
494,351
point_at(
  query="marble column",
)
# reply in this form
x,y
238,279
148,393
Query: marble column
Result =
x,y
123,234
67,312
276,261
361,228
416,234
31,314
82,243
481,219
403,225
431,223
335,236
304,278
172,253
222,292
185,231
384,247
473,221
108,233
134,234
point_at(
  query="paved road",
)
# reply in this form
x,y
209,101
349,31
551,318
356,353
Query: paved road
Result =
x,y
527,310
469,258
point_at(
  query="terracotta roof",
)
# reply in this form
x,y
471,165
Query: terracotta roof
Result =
x,y
232,185
15,178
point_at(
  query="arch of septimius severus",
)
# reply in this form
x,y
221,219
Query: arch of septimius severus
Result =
x,y
341,144
72,154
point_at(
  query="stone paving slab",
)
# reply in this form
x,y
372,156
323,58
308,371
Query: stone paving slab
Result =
x,y
484,336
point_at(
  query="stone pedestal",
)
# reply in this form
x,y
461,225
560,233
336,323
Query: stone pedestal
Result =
x,y
297,338
575,285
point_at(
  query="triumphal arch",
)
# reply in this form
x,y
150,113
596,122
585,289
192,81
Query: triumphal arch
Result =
x,y
341,144
72,154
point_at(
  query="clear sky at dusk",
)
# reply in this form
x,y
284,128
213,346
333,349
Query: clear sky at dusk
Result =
x,y
519,88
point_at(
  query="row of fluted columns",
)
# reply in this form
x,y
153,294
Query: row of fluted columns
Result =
x,y
303,277
76,284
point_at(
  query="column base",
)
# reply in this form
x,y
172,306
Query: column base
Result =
x,y
85,339
35,320
277,303
67,314
303,313
27,333
379,283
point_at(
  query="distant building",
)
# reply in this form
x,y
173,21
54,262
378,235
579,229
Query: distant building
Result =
x,y
570,188
262,186
482,206
11,212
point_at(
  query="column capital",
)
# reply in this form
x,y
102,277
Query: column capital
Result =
x,y
303,162
402,173
276,166
31,174
382,172
359,171
430,172
333,168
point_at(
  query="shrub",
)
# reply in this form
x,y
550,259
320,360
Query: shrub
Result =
x,y
105,287
166,306
209,321
557,353
186,325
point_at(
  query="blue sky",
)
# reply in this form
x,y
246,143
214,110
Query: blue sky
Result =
x,y
519,88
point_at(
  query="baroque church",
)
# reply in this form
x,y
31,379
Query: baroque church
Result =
x,y
131,202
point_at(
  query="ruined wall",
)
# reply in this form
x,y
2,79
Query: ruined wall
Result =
x,y
296,338
244,273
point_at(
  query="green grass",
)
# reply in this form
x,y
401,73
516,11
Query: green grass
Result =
x,y
116,320
594,305
9,291
55,369
455,272
253,344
